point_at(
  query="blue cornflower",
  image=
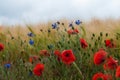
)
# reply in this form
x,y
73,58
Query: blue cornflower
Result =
x,y
78,22
7,65
31,42
54,25
50,46
30,73
70,25
30,34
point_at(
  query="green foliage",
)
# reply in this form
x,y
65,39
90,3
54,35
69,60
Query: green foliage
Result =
x,y
17,52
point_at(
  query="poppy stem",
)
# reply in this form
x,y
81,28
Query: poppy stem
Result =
x,y
78,70
84,32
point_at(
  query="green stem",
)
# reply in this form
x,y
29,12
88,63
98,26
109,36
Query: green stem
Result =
x,y
78,70
84,32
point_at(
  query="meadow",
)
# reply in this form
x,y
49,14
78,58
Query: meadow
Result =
x,y
61,50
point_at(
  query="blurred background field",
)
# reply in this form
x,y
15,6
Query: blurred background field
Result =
x,y
92,26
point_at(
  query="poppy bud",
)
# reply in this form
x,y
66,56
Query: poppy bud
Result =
x,y
12,37
101,34
73,28
41,30
106,34
93,35
58,22
49,31
98,38
63,24
68,42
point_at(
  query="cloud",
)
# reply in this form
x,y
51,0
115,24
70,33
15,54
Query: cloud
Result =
x,y
21,11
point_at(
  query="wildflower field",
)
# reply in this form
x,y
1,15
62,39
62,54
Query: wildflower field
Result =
x,y
61,50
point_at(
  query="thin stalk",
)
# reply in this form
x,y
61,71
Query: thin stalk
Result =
x,y
78,70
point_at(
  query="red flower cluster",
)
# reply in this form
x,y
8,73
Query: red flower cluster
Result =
x,y
44,53
1,46
75,31
100,57
33,58
67,57
109,43
110,63
38,69
101,76
83,43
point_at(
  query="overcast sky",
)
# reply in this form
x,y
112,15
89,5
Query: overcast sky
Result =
x,y
25,11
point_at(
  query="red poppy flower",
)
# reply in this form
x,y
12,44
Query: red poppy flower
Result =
x,y
33,58
38,69
1,46
44,53
100,57
97,76
109,43
70,31
118,72
75,31
83,43
67,56
58,54
110,63
101,76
